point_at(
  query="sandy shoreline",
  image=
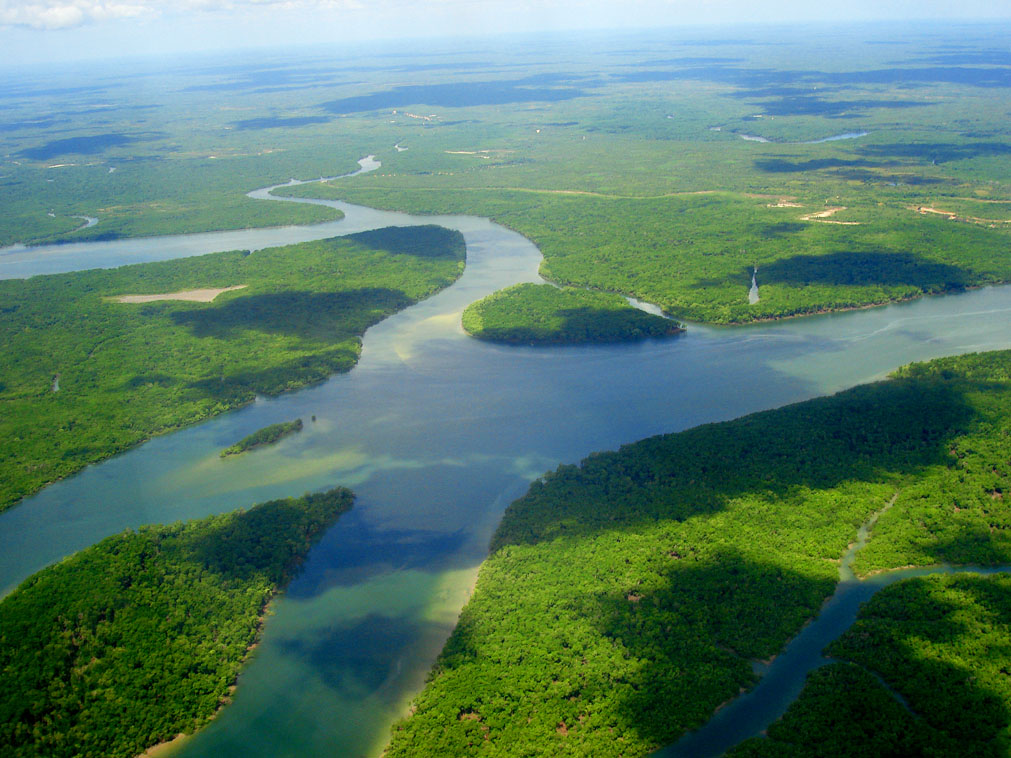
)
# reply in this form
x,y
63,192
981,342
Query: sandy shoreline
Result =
x,y
193,296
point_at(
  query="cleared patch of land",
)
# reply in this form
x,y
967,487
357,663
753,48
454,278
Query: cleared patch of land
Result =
x,y
193,296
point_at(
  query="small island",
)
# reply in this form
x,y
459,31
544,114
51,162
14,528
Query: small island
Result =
x,y
139,638
543,314
268,435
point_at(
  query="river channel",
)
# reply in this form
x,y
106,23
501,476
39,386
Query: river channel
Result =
x,y
436,433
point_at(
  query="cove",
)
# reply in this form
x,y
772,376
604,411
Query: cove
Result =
x,y
436,433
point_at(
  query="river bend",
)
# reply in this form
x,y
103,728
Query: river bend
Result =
x,y
436,433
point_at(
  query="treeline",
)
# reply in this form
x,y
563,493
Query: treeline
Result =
x,y
541,314
268,435
139,638
694,254
128,371
930,678
625,598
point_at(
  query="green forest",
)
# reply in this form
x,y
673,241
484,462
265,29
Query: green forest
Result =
x,y
139,638
83,377
694,254
926,675
268,435
627,597
532,314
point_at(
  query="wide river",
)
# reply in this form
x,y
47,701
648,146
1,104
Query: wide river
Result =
x,y
436,433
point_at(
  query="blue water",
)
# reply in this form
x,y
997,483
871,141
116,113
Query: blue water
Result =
x,y
436,433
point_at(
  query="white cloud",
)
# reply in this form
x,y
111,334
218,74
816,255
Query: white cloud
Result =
x,y
63,14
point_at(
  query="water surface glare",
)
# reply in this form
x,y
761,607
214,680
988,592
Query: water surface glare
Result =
x,y
437,433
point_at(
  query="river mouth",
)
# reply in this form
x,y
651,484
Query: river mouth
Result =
x,y
437,432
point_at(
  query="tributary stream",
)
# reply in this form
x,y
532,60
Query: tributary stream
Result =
x,y
436,433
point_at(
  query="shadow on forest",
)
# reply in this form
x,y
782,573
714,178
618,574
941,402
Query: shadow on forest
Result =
x,y
870,433
80,146
811,105
594,325
758,79
279,122
456,95
696,635
328,317
240,386
783,229
850,269
860,269
937,152
696,610
784,166
428,241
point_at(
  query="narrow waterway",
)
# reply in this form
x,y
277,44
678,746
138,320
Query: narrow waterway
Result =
x,y
782,681
436,433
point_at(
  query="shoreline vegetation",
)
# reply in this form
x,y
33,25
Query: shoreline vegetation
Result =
x,y
626,598
641,248
129,643
540,314
268,435
130,371
919,674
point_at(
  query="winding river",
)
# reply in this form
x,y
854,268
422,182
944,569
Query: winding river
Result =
x,y
436,433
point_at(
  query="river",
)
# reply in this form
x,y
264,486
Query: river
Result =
x,y
436,433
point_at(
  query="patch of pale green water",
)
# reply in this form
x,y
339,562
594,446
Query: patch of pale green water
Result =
x,y
436,433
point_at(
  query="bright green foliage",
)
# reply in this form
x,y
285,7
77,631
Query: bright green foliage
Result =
x,y
138,638
542,314
694,255
266,436
128,371
941,644
624,598
844,711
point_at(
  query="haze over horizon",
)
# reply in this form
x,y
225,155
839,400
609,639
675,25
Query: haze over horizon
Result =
x,y
40,31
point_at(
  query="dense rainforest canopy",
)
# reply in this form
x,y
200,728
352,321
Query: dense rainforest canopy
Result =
x,y
140,637
627,597
541,314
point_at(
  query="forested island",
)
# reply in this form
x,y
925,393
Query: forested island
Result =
x,y
626,598
541,314
138,353
268,435
139,638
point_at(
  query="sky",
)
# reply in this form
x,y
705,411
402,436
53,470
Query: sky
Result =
x,y
34,31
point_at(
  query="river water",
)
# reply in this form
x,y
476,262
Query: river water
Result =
x,y
436,433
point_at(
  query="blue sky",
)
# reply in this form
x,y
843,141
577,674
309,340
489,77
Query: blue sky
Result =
x,y
40,30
